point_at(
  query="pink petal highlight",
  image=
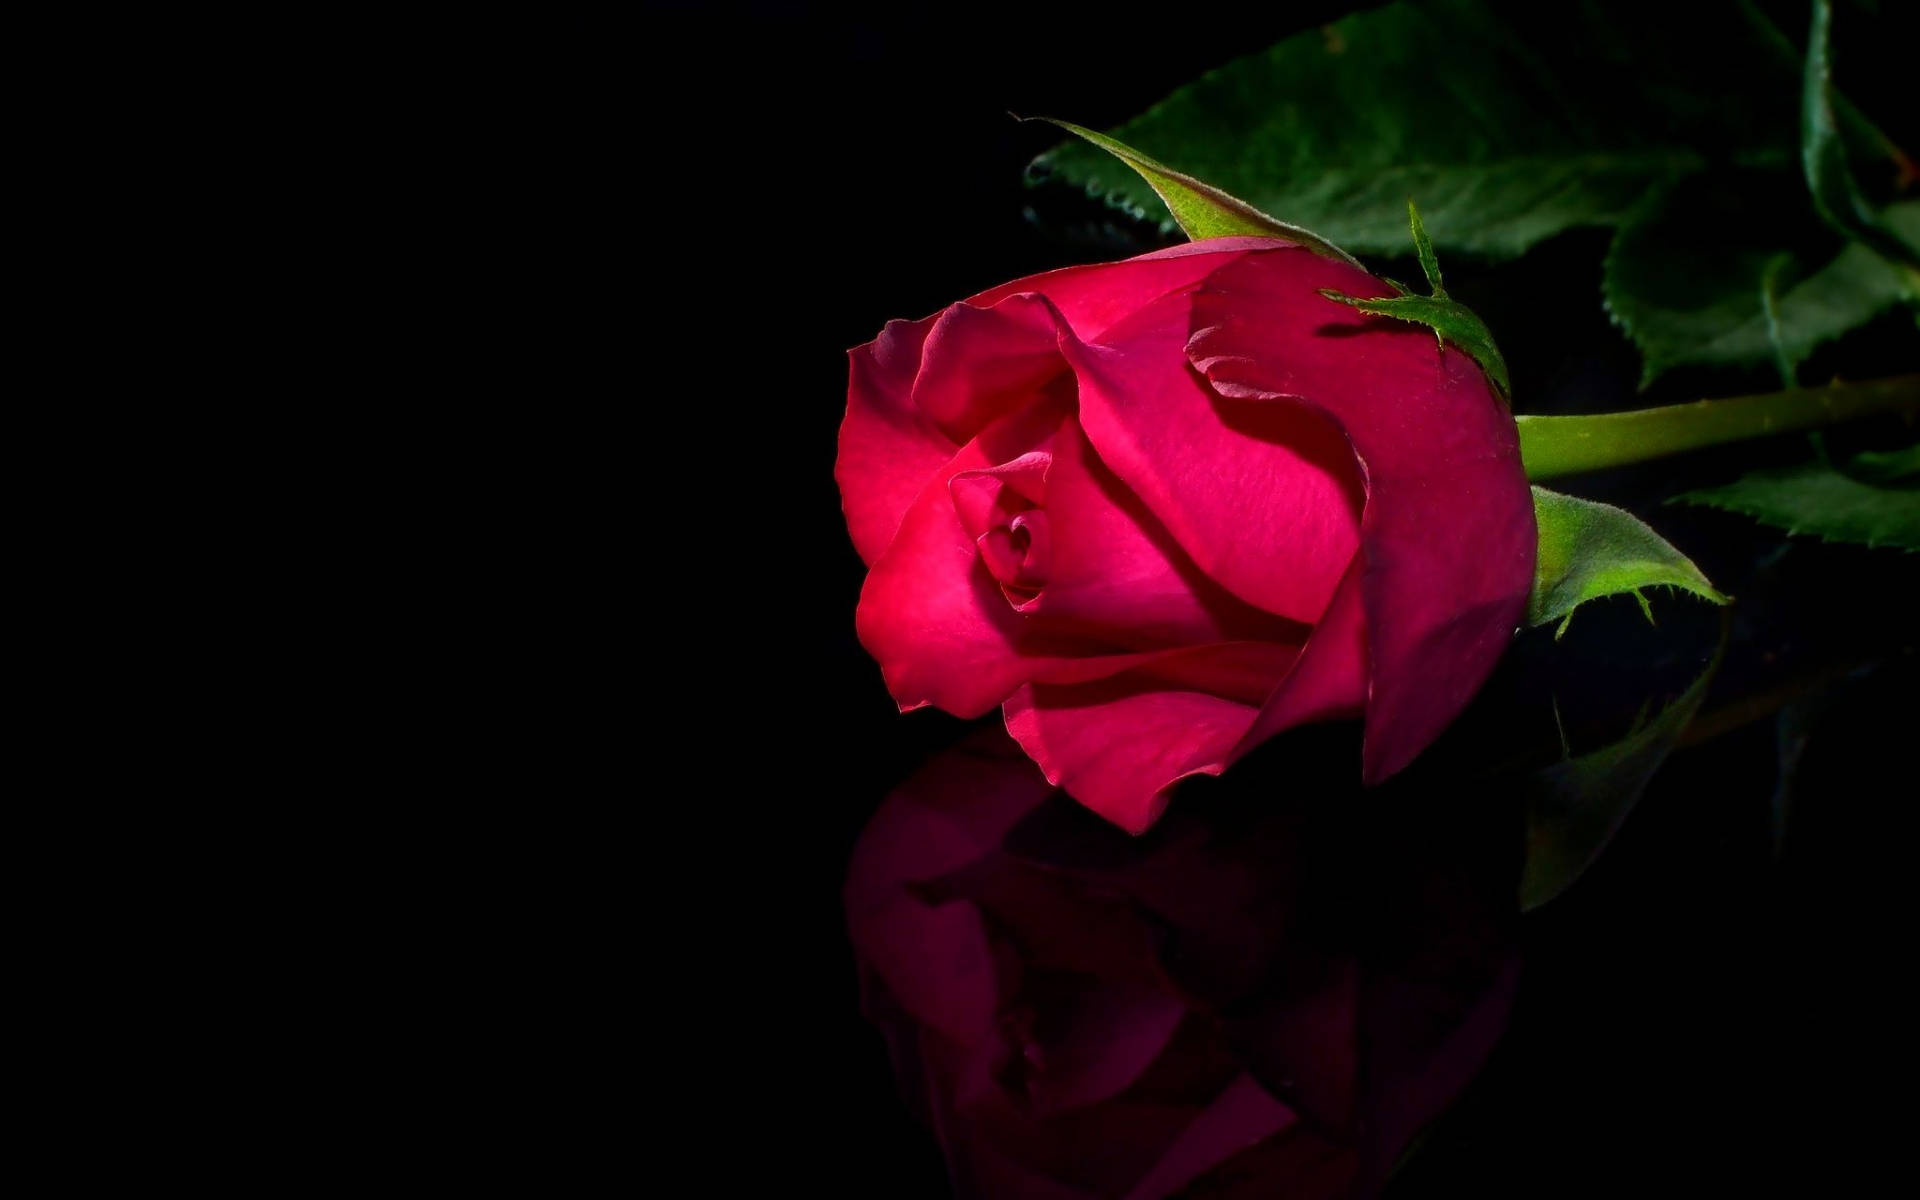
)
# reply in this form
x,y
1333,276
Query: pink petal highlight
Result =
x,y
1115,572
887,449
931,613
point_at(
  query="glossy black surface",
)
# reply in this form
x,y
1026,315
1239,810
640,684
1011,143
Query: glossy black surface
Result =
x,y
1721,1002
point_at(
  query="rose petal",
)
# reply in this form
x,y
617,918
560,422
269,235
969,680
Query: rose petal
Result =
x,y
1448,530
887,449
1265,499
983,361
1329,681
1094,297
1119,744
1114,571
989,498
930,612
936,620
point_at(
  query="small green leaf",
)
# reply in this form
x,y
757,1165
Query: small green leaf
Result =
x,y
1202,210
1589,550
1423,246
1823,156
1449,319
1575,807
1873,501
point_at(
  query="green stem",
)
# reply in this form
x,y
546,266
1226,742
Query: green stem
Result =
x,y
1554,446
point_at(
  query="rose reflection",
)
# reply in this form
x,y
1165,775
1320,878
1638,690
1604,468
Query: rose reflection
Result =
x,y
1268,995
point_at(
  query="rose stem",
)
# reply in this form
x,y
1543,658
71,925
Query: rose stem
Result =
x,y
1555,446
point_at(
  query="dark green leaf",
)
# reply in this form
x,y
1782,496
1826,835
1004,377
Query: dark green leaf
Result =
x,y
1873,502
1886,466
1575,807
1688,277
1510,121
1202,210
1823,156
1589,550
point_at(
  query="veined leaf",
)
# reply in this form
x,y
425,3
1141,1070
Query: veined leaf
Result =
x,y
1589,550
1886,466
1511,121
1688,278
1874,502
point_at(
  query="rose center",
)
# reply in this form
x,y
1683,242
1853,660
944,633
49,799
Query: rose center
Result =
x,y
1003,509
1016,553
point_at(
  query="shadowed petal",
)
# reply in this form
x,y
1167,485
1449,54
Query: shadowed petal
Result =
x,y
1448,534
1241,1117
1119,744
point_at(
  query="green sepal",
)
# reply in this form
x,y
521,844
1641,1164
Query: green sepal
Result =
x,y
1202,210
1588,550
1450,320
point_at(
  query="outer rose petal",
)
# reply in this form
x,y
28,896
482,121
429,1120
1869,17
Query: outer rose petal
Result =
x,y
1265,499
1118,745
889,447
1330,680
980,362
887,450
1095,297
1448,533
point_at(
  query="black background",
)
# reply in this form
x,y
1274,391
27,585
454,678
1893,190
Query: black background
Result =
x,y
1701,1012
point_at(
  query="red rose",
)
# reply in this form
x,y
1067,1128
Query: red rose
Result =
x,y
1161,509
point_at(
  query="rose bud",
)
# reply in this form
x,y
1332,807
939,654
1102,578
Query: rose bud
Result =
x,y
1162,509
1270,999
